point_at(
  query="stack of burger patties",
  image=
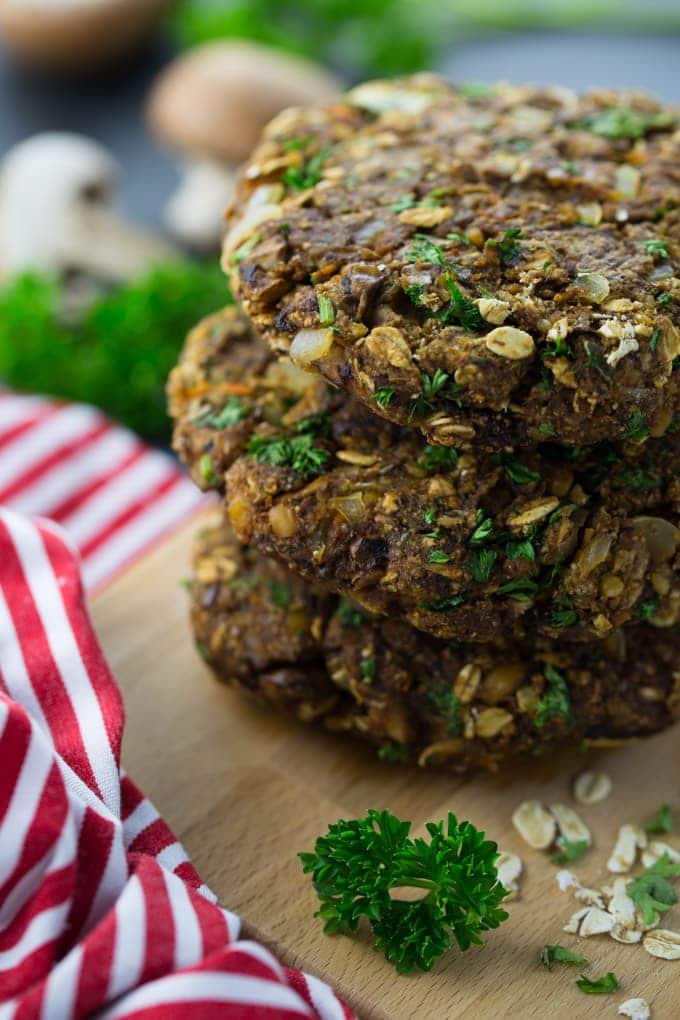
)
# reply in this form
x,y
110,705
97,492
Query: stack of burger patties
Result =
x,y
443,418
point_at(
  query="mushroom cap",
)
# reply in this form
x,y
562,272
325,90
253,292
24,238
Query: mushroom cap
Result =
x,y
57,212
214,101
72,35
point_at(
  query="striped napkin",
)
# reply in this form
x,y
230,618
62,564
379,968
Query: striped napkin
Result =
x,y
114,495
100,909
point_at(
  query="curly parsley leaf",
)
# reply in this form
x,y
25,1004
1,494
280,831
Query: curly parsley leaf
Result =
x,y
438,459
662,820
564,614
349,614
652,892
360,866
655,247
279,594
600,986
481,564
555,701
296,452
551,955
232,413
570,850
383,396
301,178
622,122
508,245
519,473
636,427
483,531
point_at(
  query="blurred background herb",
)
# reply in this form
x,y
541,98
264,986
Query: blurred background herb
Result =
x,y
360,37
119,353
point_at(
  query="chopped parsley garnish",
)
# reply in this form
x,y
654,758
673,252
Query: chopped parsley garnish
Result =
x,y
460,310
460,239
394,752
564,614
546,428
425,250
446,703
636,479
622,122
551,955
430,515
570,850
206,469
555,700
360,865
508,246
662,820
655,247
231,413
636,428
326,310
348,613
431,387
481,564
405,202
654,339
664,298
443,605
383,396
483,531
601,986
519,473
595,357
300,178
437,459
558,348
279,594
245,249
521,589
295,452
439,556
315,425
367,668
652,892
523,550
645,610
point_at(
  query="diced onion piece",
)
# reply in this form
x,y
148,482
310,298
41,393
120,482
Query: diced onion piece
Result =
x,y
594,286
352,507
628,180
661,537
311,344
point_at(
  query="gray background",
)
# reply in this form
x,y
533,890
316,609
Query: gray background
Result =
x,y
111,108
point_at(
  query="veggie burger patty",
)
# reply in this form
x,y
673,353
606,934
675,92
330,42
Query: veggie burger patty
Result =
x,y
481,547
325,661
493,268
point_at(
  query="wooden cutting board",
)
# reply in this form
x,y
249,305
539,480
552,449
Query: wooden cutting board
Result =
x,y
245,790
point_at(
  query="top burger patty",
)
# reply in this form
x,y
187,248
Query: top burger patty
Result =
x,y
493,269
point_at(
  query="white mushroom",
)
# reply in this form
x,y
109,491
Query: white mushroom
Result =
x,y
71,35
211,105
57,213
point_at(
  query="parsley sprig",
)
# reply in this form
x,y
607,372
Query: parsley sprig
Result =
x,y
508,246
622,122
360,866
460,310
296,452
652,892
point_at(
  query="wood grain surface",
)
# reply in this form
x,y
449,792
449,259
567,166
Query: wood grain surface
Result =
x,y
245,790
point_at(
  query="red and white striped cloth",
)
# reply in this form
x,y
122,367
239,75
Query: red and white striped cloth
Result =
x,y
113,494
100,909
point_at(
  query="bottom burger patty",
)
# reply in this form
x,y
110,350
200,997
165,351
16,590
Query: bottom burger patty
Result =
x,y
320,658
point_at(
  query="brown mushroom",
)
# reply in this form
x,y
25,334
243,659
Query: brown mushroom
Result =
x,y
73,35
211,105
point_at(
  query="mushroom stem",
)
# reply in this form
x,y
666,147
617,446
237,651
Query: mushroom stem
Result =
x,y
195,213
